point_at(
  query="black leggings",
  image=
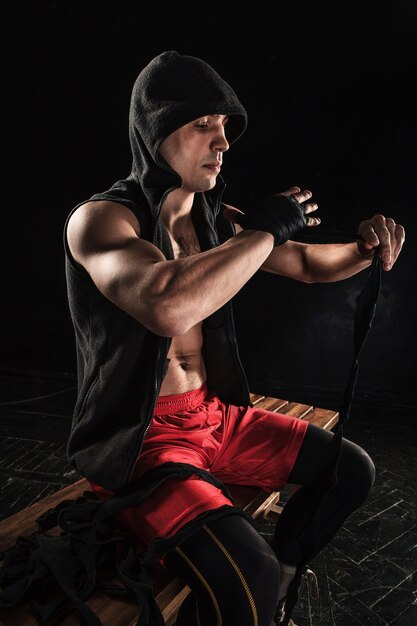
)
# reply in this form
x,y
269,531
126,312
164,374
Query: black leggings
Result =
x,y
234,573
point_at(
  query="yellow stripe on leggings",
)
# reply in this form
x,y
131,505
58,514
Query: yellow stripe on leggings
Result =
x,y
205,583
238,572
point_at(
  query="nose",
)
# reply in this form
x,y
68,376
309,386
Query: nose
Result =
x,y
220,143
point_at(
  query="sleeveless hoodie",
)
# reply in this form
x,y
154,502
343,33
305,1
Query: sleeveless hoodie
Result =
x,y
120,363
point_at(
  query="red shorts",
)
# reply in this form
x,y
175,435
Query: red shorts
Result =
x,y
238,445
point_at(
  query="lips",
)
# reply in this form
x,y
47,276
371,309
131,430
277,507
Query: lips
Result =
x,y
214,167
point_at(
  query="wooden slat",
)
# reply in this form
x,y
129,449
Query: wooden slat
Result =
x,y
296,409
255,397
324,418
112,611
171,609
268,403
254,505
251,499
265,505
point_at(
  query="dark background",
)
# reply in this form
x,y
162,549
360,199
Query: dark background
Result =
x,y
330,92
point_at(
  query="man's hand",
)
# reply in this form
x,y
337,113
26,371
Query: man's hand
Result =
x,y
384,232
231,213
308,207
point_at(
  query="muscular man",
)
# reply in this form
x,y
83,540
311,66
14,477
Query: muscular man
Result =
x,y
152,266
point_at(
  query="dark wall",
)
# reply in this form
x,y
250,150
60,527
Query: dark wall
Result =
x,y
329,92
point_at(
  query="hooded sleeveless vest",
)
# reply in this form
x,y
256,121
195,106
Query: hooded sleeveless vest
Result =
x,y
120,363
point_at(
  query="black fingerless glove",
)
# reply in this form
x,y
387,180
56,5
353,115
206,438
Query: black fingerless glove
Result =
x,y
281,216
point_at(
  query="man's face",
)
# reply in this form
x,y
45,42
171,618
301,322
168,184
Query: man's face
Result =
x,y
195,151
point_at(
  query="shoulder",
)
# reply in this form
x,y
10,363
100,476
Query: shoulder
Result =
x,y
98,225
102,214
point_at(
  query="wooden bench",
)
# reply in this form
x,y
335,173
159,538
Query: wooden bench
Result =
x,y
169,591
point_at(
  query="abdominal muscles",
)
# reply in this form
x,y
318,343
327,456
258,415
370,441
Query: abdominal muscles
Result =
x,y
186,369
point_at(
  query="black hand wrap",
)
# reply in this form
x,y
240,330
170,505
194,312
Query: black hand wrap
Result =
x,y
282,216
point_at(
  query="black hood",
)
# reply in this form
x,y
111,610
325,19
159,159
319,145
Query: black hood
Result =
x,y
173,90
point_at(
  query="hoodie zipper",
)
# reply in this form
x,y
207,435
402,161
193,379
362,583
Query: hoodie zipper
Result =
x,y
231,328
155,394
163,341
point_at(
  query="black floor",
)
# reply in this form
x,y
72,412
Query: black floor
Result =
x,y
367,575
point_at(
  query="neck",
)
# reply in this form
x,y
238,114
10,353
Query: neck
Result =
x,y
177,206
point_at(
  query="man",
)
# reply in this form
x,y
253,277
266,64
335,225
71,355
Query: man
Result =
x,y
152,267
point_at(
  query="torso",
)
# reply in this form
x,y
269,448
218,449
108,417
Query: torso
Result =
x,y
186,368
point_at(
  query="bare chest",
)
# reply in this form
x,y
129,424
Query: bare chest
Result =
x,y
185,243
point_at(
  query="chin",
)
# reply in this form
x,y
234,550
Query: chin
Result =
x,y
208,184
200,187
200,184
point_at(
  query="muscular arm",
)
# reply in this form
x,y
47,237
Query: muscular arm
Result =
x,y
168,297
317,263
312,263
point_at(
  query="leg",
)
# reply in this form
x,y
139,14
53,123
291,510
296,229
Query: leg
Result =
x,y
232,572
356,474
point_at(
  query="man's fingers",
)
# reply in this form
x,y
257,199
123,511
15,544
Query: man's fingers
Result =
x,y
290,192
300,196
383,231
375,232
234,215
382,228
398,238
370,238
390,225
309,207
313,221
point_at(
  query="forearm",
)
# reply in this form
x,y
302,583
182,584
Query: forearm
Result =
x,y
192,288
333,262
187,290
315,263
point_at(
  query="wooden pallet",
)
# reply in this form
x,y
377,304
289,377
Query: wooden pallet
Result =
x,y
169,592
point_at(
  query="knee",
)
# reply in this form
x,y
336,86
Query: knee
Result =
x,y
358,468
256,593
367,474
267,571
233,572
239,595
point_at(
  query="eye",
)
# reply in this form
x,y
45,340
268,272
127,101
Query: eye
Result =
x,y
202,124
